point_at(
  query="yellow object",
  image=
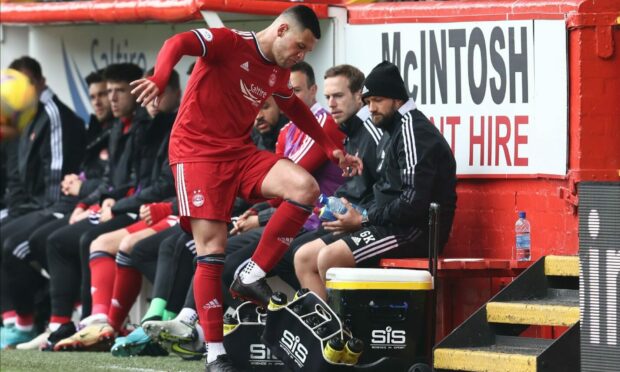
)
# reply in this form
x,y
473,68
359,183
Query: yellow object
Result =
x,y
535,314
562,265
229,328
350,355
333,350
473,360
18,99
379,285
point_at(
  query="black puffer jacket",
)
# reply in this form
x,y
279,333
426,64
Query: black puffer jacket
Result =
x,y
416,167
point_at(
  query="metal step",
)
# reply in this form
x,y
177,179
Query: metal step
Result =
x,y
508,354
562,266
559,308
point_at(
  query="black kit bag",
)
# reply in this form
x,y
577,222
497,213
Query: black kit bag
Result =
x,y
242,340
297,334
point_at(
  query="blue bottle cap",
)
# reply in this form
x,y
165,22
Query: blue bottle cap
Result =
x,y
322,199
522,214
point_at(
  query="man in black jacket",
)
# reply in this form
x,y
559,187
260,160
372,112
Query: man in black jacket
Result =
x,y
51,146
416,167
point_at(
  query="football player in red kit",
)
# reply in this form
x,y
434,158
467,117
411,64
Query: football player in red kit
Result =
x,y
214,160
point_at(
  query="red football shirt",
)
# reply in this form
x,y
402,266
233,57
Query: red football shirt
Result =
x,y
225,91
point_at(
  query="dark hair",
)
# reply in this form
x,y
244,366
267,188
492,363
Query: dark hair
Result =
x,y
28,63
352,73
94,77
126,72
173,81
305,68
306,18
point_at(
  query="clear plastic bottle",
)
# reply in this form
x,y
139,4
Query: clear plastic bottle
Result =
x,y
333,205
523,242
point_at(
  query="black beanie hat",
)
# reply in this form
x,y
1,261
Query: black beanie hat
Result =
x,y
385,81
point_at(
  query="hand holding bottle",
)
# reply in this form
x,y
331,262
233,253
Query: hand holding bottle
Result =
x,y
348,218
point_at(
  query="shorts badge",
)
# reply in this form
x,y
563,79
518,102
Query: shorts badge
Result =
x,y
198,199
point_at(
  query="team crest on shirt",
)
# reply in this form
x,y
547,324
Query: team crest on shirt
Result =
x,y
198,199
208,36
272,80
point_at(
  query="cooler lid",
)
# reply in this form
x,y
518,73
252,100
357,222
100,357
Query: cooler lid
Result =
x,y
358,278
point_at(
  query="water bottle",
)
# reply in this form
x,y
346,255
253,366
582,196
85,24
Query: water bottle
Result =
x,y
352,351
278,300
333,205
334,349
522,232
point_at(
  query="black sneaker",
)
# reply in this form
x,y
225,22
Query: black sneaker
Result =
x,y
64,331
258,292
221,364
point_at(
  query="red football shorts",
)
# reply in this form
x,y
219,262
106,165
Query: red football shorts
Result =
x,y
162,225
207,190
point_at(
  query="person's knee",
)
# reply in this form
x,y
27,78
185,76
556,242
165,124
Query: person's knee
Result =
x,y
127,243
304,259
332,257
302,189
103,243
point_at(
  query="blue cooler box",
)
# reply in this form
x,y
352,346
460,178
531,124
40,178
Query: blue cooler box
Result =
x,y
389,309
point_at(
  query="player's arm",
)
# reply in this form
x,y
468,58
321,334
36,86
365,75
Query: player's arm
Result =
x,y
301,115
183,44
314,157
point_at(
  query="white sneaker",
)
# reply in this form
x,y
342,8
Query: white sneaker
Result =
x,y
35,343
92,320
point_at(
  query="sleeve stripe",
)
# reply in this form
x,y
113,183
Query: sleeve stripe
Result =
x,y
202,42
375,132
56,148
410,155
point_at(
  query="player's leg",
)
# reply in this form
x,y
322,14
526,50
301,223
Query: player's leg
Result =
x,y
299,190
206,193
306,266
103,269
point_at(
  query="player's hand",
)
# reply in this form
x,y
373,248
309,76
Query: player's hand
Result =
x,y
351,165
145,91
106,210
145,214
348,222
244,224
78,214
105,214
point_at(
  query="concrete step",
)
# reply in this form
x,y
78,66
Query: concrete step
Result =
x,y
508,354
559,308
562,266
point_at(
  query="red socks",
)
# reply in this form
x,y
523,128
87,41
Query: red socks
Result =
x,y
127,285
102,271
208,296
280,231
